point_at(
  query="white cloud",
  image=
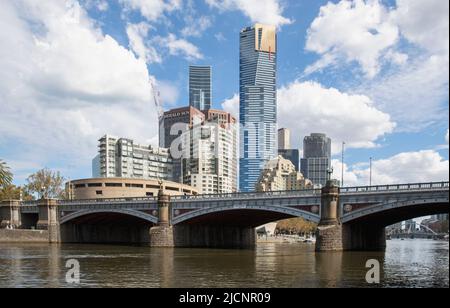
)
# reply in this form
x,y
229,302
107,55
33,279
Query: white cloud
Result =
x,y
351,31
424,23
152,10
308,107
416,95
408,167
101,5
232,105
447,137
262,11
137,36
195,26
179,47
403,49
63,84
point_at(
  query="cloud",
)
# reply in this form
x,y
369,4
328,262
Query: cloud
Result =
x,y
195,26
308,107
258,11
179,47
137,36
101,5
402,49
152,10
63,84
232,105
424,23
351,31
447,137
408,167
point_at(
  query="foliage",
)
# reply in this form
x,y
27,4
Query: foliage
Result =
x,y
12,192
46,183
296,225
6,176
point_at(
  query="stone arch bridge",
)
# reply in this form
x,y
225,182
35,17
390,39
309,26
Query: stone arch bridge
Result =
x,y
349,218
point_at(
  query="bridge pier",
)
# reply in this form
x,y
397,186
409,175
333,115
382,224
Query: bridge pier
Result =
x,y
162,235
49,219
329,232
10,215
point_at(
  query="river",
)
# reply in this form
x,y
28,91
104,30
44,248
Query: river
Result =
x,y
408,263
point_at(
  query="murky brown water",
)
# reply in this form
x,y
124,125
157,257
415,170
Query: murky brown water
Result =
x,y
409,263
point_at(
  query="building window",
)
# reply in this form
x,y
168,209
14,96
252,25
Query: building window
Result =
x,y
99,192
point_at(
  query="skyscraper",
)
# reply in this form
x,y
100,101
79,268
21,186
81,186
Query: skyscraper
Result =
x,y
258,102
316,158
284,139
200,87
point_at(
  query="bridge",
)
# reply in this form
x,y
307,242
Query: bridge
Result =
x,y
349,218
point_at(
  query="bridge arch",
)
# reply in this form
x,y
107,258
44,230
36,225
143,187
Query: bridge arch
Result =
x,y
364,229
279,212
389,213
107,226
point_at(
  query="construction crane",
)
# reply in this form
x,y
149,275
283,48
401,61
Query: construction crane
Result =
x,y
159,108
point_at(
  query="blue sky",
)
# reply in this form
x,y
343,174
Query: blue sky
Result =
x,y
365,72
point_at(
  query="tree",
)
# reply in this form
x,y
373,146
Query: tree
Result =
x,y
46,183
12,192
6,176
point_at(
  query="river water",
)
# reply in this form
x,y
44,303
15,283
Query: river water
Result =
x,y
408,263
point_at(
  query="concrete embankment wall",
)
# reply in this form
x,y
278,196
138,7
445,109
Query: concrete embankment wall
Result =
x,y
23,236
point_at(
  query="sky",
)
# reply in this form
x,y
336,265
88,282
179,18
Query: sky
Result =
x,y
372,74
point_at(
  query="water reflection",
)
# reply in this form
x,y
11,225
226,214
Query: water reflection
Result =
x,y
414,263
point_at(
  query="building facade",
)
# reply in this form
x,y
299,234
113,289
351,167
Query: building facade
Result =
x,y
279,174
284,139
258,102
316,158
109,188
123,158
293,155
210,162
200,87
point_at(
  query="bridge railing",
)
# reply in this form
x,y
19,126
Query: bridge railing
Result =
x,y
110,200
254,195
396,187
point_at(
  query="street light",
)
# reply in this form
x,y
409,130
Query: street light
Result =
x,y
370,172
342,161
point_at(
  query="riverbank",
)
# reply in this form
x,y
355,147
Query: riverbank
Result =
x,y
23,236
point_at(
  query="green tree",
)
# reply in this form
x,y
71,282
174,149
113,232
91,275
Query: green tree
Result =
x,y
6,176
12,192
46,183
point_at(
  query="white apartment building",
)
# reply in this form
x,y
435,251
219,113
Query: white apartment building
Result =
x,y
123,158
210,162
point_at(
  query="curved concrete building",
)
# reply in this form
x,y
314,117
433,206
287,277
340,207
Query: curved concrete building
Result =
x,y
109,188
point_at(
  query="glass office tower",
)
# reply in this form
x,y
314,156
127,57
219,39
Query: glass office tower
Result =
x,y
200,87
316,158
258,102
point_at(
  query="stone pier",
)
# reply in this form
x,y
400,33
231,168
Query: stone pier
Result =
x,y
329,232
10,215
162,234
49,219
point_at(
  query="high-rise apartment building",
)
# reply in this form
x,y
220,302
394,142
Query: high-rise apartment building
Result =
x,y
123,158
258,102
200,87
316,158
203,145
210,159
